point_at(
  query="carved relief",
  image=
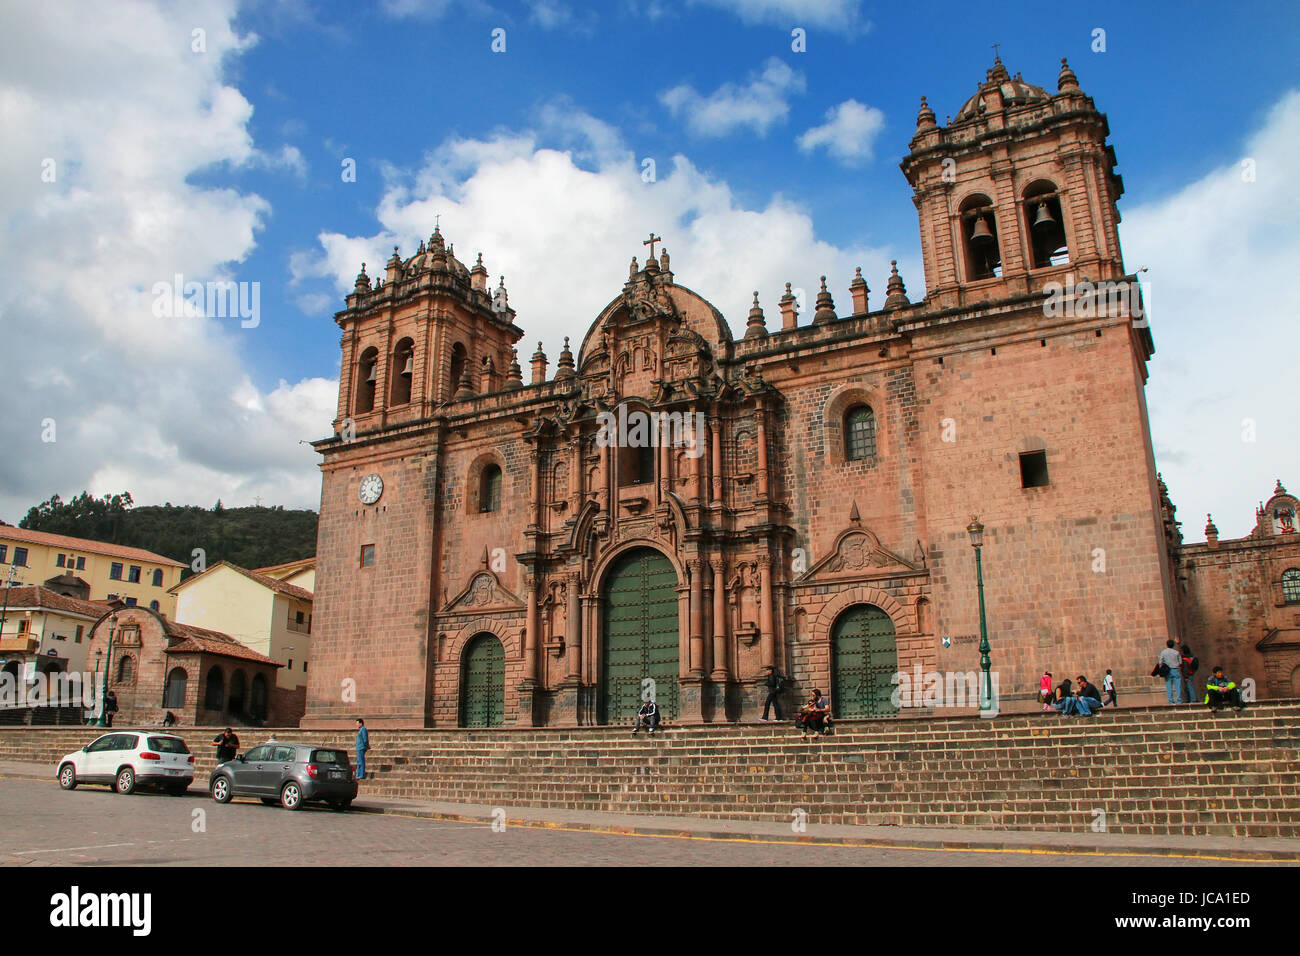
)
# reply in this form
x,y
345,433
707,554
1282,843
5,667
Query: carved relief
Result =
x,y
743,595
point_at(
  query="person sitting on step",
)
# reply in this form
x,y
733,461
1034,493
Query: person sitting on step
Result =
x,y
647,716
1219,691
1063,693
815,716
1086,700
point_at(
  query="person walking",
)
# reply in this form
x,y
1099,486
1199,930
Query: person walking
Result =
x,y
363,744
1190,664
110,708
1108,685
1170,667
774,683
227,745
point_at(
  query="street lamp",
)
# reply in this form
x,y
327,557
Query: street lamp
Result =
x,y
103,697
976,531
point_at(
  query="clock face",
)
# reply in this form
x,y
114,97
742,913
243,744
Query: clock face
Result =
x,y
372,486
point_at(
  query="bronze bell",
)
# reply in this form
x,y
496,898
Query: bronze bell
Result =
x,y
981,231
1043,217
409,366
370,376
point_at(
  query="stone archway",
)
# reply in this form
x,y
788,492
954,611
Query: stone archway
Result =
x,y
864,659
640,652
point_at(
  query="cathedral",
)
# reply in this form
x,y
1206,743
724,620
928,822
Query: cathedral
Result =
x,y
677,507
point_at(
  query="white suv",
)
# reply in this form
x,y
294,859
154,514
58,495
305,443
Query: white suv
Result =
x,y
128,759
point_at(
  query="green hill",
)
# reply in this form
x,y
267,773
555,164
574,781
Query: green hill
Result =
x,y
249,537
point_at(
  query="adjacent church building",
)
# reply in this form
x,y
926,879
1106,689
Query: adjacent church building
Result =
x,y
674,508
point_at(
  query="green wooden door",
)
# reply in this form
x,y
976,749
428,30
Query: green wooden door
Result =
x,y
641,639
483,689
865,659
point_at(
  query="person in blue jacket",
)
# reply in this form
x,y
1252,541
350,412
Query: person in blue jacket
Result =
x,y
363,744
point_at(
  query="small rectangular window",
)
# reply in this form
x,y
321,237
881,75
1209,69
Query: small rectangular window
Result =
x,y
80,631
367,555
60,560
24,625
291,663
133,576
115,571
81,564
20,557
1033,469
4,553
304,667
130,602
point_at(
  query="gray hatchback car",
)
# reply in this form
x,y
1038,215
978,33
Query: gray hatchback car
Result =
x,y
288,774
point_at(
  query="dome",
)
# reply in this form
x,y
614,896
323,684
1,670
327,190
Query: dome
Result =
x,y
1015,92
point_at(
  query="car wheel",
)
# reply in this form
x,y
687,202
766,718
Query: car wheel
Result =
x,y
291,796
221,791
68,777
125,783
270,801
341,805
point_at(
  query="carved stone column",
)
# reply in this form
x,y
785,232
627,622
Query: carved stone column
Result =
x,y
715,427
719,620
573,633
530,628
762,453
696,567
535,463
665,459
767,636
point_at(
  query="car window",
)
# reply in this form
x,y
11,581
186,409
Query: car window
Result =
x,y
103,743
337,757
168,745
259,753
283,755
125,742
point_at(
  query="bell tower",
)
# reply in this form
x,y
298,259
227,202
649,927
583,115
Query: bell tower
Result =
x,y
1017,190
428,332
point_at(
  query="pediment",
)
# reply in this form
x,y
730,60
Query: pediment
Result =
x,y
858,553
484,593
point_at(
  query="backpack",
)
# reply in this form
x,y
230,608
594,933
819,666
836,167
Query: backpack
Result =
x,y
1162,670
1193,664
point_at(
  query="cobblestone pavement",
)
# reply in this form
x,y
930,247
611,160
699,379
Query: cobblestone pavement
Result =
x,y
92,826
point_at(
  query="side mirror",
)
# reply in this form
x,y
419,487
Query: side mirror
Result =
x,y
240,758
85,749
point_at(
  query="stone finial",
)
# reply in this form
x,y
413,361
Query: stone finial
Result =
x,y
394,266
1211,532
854,516
514,374
789,309
539,365
651,265
1278,489
435,238
500,298
564,367
478,276
663,260
825,306
633,269
487,375
1066,80
465,387
858,289
756,324
363,280
925,116
895,291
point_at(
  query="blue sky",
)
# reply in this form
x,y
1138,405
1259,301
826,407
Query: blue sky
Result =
x,y
226,162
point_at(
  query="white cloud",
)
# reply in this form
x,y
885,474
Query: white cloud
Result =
x,y
758,104
562,230
849,133
845,15
1221,253
140,403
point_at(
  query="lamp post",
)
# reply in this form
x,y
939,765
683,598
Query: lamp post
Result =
x,y
976,531
103,696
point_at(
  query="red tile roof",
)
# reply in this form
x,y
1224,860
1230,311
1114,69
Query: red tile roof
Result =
x,y
200,640
34,596
301,563
25,536
275,584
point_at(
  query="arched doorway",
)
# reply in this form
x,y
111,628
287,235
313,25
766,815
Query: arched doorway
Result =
x,y
864,659
641,642
174,689
257,708
214,696
483,683
238,693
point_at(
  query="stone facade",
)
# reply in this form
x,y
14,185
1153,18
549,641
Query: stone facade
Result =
x,y
805,470
1240,599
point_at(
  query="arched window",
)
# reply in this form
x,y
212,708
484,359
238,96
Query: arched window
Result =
x,y
367,375
238,691
1291,586
125,668
979,229
1045,226
157,579
459,358
154,605
860,433
257,707
174,691
489,489
403,370
214,693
